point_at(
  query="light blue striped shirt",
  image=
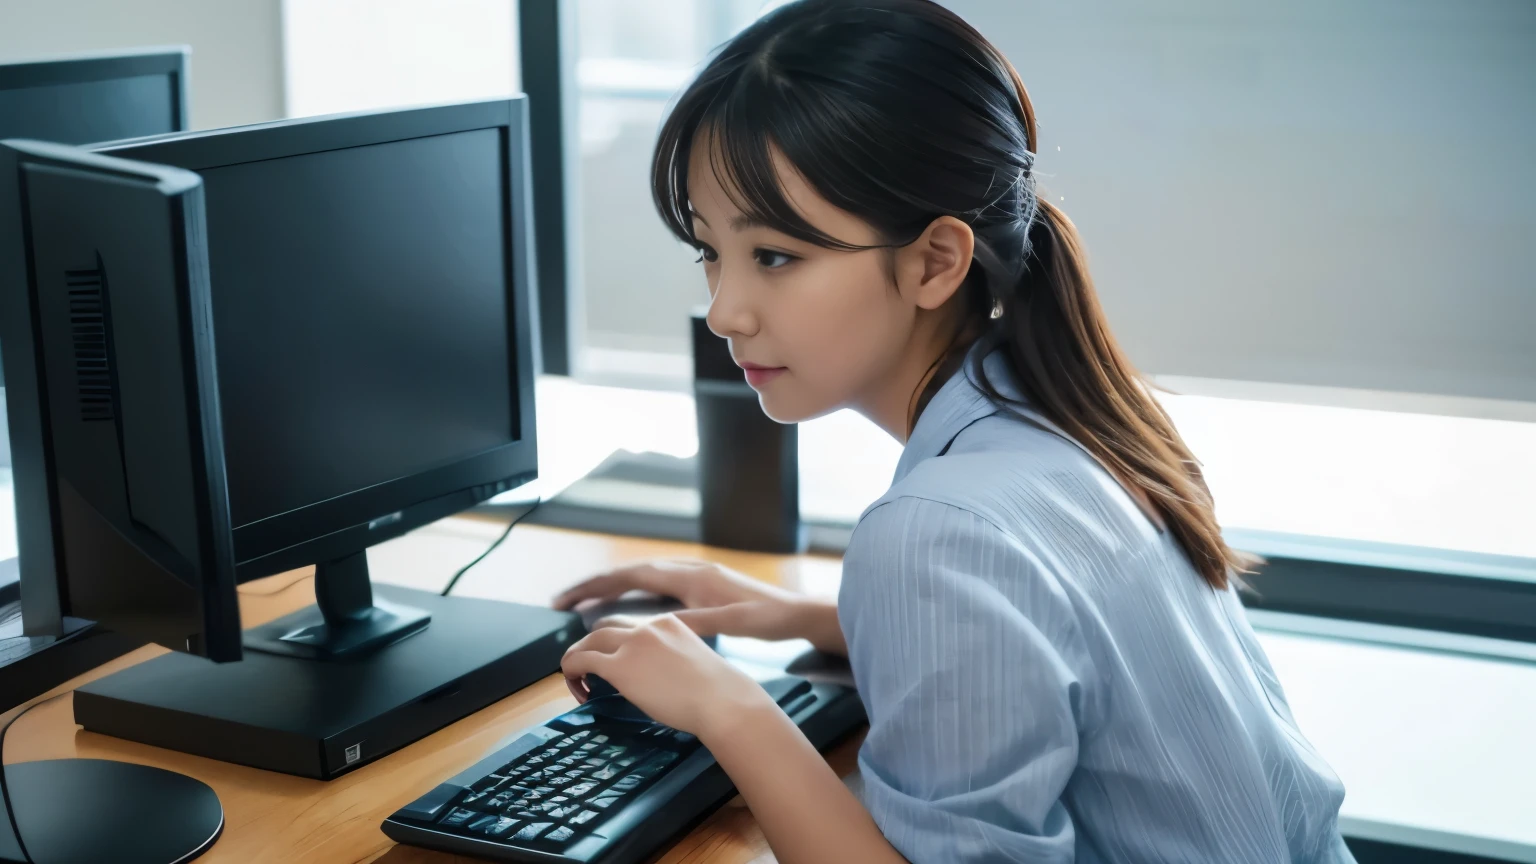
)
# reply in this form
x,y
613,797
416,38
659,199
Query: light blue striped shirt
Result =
x,y
1046,676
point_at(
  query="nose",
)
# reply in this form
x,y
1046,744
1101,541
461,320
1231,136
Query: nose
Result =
x,y
731,315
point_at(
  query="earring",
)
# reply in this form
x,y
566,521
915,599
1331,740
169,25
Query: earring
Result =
x,y
997,309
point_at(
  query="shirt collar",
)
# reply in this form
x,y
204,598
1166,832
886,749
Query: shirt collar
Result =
x,y
961,402
957,404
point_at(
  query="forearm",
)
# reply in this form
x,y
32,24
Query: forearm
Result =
x,y
804,809
822,630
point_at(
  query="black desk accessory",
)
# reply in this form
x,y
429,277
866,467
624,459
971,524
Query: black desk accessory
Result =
x,y
748,464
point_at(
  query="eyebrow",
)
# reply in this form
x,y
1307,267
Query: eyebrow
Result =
x,y
738,223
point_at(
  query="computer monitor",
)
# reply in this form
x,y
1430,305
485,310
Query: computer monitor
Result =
x,y
372,286
103,307
104,310
88,98
372,311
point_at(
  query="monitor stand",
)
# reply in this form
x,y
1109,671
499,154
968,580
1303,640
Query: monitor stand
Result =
x,y
345,620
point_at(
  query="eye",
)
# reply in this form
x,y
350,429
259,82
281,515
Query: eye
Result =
x,y
771,259
706,254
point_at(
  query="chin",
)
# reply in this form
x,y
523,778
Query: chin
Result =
x,y
785,408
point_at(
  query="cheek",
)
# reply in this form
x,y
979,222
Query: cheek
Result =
x,y
843,328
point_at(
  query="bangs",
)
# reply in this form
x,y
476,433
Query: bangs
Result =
x,y
742,123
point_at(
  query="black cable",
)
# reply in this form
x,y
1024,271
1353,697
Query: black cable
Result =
x,y
5,789
491,548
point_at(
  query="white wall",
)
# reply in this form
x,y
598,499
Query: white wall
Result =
x,y
236,73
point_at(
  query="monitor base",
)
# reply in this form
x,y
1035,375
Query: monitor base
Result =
x,y
323,717
306,633
71,810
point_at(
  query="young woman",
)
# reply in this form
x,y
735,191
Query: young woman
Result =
x,y
1040,613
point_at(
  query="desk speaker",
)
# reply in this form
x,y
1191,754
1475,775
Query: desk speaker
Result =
x,y
749,465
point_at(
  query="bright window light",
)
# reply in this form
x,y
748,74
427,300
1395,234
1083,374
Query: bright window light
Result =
x,y
356,55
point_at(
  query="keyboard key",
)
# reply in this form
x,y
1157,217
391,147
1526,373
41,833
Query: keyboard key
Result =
x,y
589,746
606,773
582,734
458,816
627,783
656,764
599,739
604,803
612,751
583,817
502,826
560,781
566,742
532,831
564,812
596,763
483,822
573,760
559,835
580,789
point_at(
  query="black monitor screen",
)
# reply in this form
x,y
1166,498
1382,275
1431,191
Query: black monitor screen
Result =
x,y
361,316
87,112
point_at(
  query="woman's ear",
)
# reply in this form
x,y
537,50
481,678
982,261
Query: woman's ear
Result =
x,y
932,268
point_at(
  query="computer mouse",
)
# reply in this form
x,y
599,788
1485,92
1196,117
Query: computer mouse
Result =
x,y
634,604
637,605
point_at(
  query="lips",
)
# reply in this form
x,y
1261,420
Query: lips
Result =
x,y
759,375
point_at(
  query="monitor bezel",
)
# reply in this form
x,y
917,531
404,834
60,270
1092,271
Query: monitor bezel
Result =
x,y
339,526
170,61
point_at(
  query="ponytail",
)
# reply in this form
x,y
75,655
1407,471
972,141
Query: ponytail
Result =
x,y
1072,371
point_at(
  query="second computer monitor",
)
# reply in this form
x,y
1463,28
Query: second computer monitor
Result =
x,y
87,99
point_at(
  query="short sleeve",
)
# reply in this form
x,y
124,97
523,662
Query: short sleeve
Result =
x,y
972,669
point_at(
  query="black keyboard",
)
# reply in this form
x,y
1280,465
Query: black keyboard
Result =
x,y
600,783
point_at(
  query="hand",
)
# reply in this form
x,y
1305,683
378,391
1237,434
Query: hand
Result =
x,y
719,601
664,669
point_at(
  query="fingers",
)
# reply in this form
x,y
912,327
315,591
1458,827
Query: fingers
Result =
x,y
578,663
605,640
619,621
610,585
756,619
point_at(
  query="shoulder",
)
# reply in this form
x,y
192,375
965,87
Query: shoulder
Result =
x,y
914,558
1029,484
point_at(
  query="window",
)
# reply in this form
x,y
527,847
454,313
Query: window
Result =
x,y
356,55
639,282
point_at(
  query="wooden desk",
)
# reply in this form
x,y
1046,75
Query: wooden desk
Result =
x,y
277,818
